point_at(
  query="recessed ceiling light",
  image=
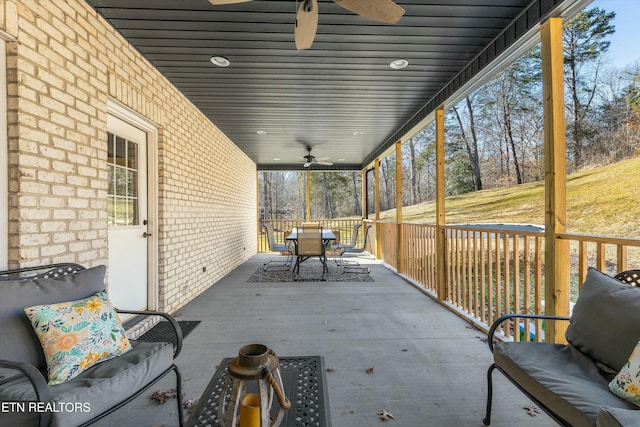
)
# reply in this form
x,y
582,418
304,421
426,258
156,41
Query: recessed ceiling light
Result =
x,y
341,160
358,132
399,64
220,61
276,158
261,132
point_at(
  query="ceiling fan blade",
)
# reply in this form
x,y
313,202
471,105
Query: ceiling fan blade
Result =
x,y
306,24
379,10
221,2
322,158
306,165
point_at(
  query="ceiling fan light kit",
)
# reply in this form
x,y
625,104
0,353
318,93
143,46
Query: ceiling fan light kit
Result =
x,y
385,11
313,160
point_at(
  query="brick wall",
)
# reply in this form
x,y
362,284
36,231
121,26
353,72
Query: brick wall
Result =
x,y
64,65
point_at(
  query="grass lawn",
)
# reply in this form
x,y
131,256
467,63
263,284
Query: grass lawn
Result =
x,y
600,201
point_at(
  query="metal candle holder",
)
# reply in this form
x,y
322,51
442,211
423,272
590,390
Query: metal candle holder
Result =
x,y
255,362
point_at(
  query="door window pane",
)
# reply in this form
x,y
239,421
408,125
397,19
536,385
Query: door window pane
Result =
x,y
122,158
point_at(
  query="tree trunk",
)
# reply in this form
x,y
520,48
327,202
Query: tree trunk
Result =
x,y
328,206
506,117
356,199
576,137
474,139
268,204
414,173
471,148
384,169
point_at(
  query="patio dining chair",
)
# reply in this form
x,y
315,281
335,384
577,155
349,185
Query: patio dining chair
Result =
x,y
354,237
310,226
309,244
340,250
275,263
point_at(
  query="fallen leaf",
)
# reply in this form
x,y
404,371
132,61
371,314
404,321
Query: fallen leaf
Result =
x,y
163,396
405,349
160,396
189,403
532,411
385,415
330,370
370,370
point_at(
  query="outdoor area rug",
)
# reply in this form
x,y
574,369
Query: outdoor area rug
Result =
x,y
311,271
162,331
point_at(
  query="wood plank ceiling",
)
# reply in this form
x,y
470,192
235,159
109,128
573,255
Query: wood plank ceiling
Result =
x,y
340,97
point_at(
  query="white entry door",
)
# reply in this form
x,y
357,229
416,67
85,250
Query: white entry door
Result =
x,y
127,214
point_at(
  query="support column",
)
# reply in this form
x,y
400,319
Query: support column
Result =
x,y
376,174
307,194
259,222
365,189
556,269
441,246
399,251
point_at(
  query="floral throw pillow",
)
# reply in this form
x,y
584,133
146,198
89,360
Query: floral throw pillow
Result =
x,y
76,335
627,383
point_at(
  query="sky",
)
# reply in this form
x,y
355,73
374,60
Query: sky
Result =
x,y
624,49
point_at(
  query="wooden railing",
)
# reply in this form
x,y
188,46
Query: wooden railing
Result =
x,y
491,272
343,228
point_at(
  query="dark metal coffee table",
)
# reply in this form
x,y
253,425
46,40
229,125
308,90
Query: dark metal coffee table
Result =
x,y
304,381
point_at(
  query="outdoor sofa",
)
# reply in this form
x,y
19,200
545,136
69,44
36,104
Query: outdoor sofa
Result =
x,y
26,396
575,383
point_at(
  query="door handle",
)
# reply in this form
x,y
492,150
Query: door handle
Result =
x,y
145,234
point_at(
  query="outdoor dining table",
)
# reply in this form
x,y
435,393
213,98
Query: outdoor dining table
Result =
x,y
327,238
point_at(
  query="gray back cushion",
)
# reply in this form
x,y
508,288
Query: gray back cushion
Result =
x,y
18,341
605,323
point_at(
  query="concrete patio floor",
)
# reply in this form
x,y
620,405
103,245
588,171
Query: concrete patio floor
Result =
x,y
429,366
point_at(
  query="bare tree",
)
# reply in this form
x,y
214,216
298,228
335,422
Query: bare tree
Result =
x,y
584,40
471,142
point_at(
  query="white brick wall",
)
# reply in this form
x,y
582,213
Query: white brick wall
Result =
x,y
64,66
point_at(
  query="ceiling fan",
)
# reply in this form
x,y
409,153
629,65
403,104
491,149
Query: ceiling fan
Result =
x,y
385,11
313,160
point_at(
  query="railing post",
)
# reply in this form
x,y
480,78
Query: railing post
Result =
x,y
441,246
557,295
399,252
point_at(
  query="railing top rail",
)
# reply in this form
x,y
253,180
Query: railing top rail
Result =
x,y
599,239
496,230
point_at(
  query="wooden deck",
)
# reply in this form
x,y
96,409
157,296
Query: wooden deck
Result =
x,y
426,365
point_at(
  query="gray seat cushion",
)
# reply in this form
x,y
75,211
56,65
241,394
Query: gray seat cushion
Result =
x,y
18,342
100,387
616,417
561,377
605,323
